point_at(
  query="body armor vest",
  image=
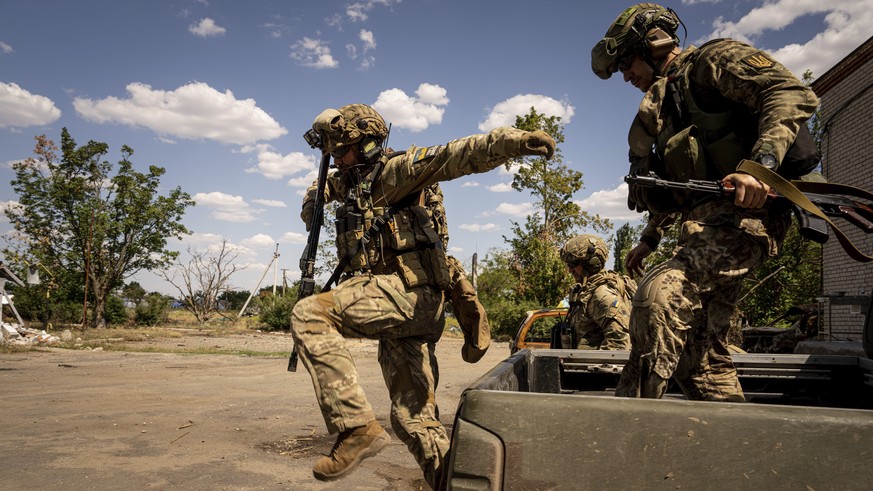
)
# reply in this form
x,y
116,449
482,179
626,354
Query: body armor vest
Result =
x,y
708,146
397,240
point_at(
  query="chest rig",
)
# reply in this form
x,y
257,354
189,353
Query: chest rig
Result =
x,y
701,144
397,239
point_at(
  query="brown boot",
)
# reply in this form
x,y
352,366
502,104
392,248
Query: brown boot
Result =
x,y
351,447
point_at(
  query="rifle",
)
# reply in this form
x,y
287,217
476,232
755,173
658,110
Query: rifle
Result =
x,y
812,223
307,259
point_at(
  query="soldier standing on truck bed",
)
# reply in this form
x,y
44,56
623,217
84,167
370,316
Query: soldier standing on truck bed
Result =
x,y
392,286
600,301
704,111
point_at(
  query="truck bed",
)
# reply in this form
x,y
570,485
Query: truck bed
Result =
x,y
548,419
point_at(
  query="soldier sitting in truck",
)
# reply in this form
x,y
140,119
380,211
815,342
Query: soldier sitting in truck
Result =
x,y
600,300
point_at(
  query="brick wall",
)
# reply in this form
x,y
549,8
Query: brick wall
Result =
x,y
846,94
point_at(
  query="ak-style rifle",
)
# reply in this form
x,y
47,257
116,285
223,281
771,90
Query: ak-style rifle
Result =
x,y
307,260
812,221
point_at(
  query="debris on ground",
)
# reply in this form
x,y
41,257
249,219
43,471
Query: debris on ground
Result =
x,y
16,335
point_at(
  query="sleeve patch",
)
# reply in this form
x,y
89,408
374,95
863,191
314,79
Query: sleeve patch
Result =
x,y
424,153
759,61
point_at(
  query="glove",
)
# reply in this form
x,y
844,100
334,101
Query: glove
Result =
x,y
538,143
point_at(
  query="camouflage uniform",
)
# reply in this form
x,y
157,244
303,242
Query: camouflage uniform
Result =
x,y
600,311
682,308
393,291
469,312
600,301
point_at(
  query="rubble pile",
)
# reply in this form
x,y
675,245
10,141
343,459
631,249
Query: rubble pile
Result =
x,y
16,335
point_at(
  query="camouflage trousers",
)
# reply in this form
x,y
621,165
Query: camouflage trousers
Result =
x,y
682,308
407,323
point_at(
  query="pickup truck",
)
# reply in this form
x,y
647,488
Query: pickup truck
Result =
x,y
549,419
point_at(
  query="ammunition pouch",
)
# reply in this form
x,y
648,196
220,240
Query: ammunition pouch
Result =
x,y
350,230
421,259
425,266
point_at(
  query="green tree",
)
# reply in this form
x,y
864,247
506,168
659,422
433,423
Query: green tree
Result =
x,y
234,299
497,288
623,241
134,292
542,277
791,278
93,229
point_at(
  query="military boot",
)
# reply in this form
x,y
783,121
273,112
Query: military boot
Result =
x,y
351,447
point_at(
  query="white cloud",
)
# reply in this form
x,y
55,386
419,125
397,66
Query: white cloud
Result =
x,y
504,113
503,187
478,227
201,239
335,21
611,204
413,113
847,26
515,209
275,29
304,181
357,11
294,238
368,39
455,249
470,184
313,53
206,27
227,207
272,203
5,48
19,108
369,44
259,240
192,111
273,165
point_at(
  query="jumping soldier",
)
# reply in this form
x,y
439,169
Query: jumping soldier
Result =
x,y
704,111
393,284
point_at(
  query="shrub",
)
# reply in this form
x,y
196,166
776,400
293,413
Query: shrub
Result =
x,y
116,312
506,315
276,312
152,311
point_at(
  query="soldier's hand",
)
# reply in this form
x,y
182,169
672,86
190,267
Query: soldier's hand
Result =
x,y
634,260
749,192
538,143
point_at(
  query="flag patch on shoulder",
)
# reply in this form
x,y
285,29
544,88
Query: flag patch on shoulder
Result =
x,y
425,153
759,61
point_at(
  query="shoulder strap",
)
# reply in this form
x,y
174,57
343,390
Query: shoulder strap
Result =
x,y
793,191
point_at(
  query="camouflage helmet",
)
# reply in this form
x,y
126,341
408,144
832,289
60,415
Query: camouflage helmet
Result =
x,y
586,249
348,125
628,33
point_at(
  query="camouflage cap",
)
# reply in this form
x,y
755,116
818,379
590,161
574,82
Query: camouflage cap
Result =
x,y
348,125
626,34
589,250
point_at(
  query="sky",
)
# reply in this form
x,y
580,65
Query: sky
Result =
x,y
219,93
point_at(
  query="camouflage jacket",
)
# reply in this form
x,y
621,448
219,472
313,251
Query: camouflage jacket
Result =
x,y
600,311
761,100
403,178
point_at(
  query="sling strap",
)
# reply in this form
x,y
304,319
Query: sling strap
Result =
x,y
793,191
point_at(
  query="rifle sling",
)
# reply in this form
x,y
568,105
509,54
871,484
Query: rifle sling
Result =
x,y
793,191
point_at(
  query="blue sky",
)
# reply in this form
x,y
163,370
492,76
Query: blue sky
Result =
x,y
220,92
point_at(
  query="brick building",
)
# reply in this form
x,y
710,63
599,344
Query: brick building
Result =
x,y
846,121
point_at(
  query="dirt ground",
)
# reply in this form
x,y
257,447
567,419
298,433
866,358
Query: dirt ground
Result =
x,y
80,419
